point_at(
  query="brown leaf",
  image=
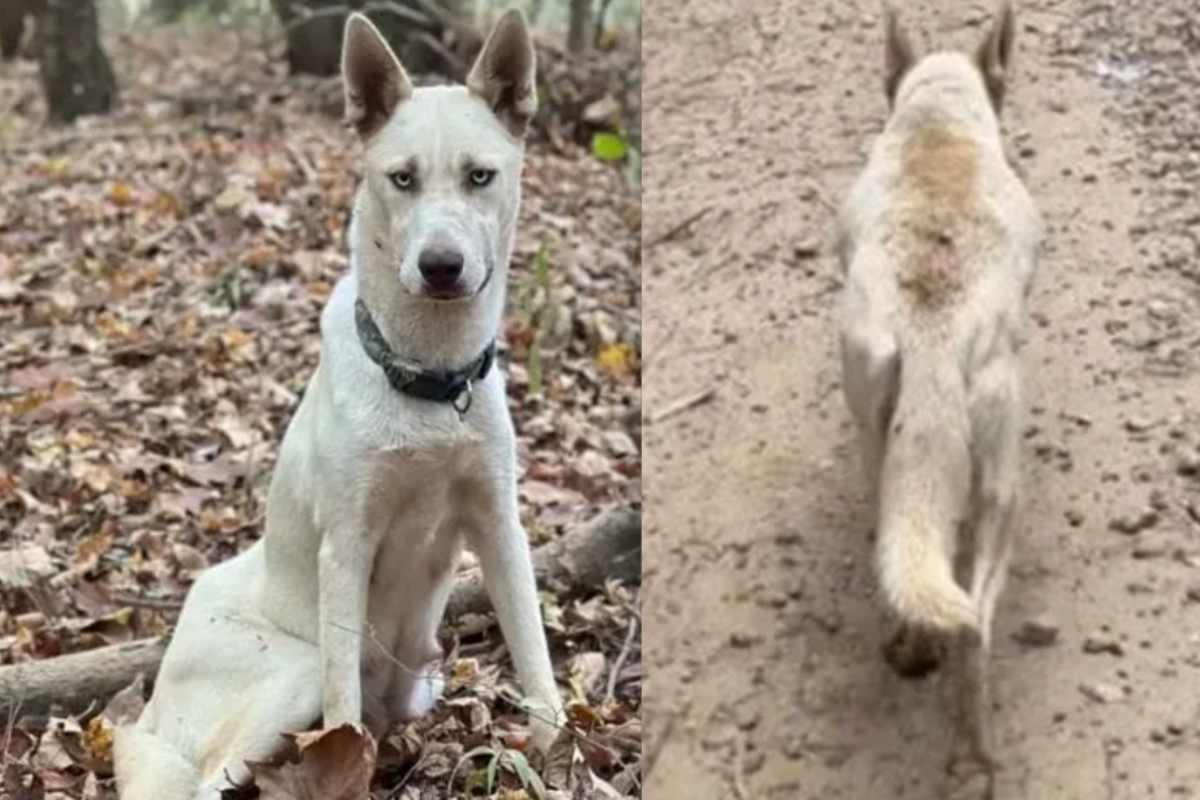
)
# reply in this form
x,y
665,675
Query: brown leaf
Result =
x,y
22,567
127,705
330,764
587,671
189,559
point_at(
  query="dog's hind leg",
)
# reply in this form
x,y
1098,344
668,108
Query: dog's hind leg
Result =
x,y
871,382
996,422
287,701
148,767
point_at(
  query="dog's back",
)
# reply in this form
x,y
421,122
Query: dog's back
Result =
x,y
938,209
938,239
939,243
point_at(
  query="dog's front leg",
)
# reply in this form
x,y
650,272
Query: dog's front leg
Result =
x,y
343,576
503,551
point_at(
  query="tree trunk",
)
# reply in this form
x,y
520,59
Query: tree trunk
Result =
x,y
535,11
579,25
76,74
600,17
608,547
314,34
170,10
414,28
12,27
14,15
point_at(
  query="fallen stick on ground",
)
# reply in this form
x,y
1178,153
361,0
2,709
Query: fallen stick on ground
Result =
x,y
607,547
675,230
681,405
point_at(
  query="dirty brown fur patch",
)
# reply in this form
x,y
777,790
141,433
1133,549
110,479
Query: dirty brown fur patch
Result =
x,y
939,174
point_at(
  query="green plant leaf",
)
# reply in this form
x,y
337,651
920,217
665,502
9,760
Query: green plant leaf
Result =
x,y
609,146
534,367
541,264
633,168
491,772
529,778
481,750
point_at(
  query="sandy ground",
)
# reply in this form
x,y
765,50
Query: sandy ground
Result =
x,y
762,625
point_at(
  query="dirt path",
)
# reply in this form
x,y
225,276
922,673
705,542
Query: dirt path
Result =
x,y
762,626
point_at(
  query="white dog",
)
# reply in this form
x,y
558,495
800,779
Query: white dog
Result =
x,y
939,240
401,449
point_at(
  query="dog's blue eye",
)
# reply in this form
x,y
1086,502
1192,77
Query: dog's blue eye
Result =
x,y
403,180
482,177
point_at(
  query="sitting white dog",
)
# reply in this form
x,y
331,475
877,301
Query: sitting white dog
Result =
x,y
402,448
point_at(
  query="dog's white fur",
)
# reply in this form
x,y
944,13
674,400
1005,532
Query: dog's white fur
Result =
x,y
939,240
333,615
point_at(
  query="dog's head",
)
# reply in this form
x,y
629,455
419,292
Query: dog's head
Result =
x,y
986,71
441,187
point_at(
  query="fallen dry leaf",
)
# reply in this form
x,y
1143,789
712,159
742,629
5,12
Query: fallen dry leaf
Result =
x,y
160,295
331,764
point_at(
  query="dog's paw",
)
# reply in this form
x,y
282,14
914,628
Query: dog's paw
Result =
x,y
971,773
914,653
423,696
545,725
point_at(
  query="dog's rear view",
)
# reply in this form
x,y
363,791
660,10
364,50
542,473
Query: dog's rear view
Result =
x,y
939,243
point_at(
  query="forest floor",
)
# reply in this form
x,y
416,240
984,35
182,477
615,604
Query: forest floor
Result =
x,y
162,270
763,627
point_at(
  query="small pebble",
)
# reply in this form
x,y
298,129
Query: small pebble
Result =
x,y
1130,524
1102,693
1037,632
744,640
1138,424
1099,643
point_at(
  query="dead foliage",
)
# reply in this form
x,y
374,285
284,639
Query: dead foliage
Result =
x,y
162,271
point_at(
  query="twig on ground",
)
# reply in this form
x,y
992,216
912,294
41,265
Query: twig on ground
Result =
x,y
576,735
395,793
301,160
675,230
683,404
654,748
147,602
823,198
615,673
148,243
739,767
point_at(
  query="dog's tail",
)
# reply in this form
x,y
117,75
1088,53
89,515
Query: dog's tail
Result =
x,y
925,482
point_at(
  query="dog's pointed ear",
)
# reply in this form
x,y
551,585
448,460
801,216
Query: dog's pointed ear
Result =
x,y
898,53
994,53
503,75
374,80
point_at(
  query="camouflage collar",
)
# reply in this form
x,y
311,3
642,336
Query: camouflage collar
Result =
x,y
453,387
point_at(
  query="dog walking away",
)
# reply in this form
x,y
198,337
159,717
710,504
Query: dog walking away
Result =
x,y
939,242
401,452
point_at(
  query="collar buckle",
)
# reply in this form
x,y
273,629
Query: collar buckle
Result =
x,y
461,405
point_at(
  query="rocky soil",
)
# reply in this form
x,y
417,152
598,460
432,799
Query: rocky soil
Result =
x,y
763,629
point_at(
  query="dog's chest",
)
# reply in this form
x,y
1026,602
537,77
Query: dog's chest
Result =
x,y
421,503
412,488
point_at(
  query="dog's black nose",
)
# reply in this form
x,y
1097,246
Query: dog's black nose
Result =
x,y
440,268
